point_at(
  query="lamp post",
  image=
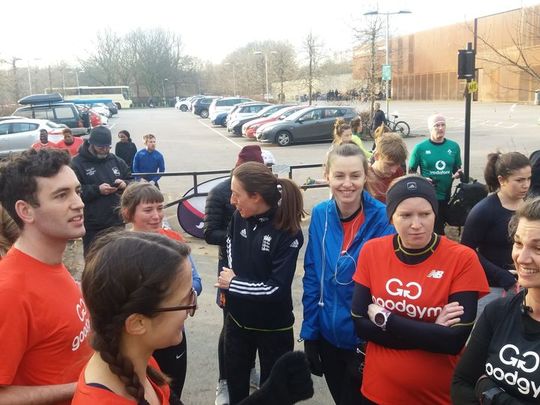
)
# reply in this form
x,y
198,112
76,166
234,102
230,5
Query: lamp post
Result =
x,y
387,43
265,68
28,70
163,87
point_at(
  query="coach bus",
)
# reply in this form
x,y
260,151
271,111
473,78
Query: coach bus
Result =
x,y
118,94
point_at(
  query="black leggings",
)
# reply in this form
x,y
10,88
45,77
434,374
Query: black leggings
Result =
x,y
341,372
241,346
173,362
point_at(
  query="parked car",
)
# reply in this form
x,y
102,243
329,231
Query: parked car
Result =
x,y
309,124
220,119
250,127
237,116
18,134
235,125
52,107
225,104
185,104
201,105
112,108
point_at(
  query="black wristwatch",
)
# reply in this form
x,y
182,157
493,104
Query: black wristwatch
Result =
x,y
381,318
489,395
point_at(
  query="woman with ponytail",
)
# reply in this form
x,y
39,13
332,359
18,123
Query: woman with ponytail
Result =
x,y
138,291
262,246
508,177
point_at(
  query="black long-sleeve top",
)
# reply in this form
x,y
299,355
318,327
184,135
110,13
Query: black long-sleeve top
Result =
x,y
486,231
126,151
505,346
264,261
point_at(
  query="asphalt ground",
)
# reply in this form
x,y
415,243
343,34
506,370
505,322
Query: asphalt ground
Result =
x,y
190,143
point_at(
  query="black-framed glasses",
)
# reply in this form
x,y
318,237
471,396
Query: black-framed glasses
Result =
x,y
190,308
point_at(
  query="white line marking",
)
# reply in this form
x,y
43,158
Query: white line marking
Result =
x,y
220,134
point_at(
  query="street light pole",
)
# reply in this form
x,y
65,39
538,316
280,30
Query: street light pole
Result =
x,y
267,95
387,48
233,75
163,88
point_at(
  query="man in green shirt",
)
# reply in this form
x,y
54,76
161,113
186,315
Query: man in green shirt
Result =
x,y
439,160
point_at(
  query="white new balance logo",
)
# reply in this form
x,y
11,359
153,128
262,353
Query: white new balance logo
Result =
x,y
436,274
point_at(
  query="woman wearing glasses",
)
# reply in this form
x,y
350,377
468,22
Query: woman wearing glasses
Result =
x,y
414,301
141,206
339,228
138,291
262,245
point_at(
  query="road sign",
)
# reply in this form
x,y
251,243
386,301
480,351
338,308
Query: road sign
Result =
x,y
473,86
387,72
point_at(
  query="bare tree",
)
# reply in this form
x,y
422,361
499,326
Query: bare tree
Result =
x,y
312,47
369,37
515,49
284,66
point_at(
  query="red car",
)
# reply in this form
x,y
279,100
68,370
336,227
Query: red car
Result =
x,y
249,128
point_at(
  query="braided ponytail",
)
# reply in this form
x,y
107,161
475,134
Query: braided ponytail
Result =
x,y
128,273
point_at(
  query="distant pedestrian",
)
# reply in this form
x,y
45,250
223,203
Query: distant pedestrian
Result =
x,y
378,117
149,160
43,141
125,148
70,143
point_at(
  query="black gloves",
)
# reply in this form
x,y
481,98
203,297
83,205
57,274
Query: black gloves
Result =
x,y
311,348
289,382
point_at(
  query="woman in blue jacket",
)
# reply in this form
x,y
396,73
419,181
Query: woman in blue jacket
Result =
x,y
339,228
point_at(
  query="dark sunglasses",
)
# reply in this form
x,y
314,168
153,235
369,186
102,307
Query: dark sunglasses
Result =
x,y
190,308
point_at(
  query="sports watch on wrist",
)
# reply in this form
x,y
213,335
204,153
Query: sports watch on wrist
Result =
x,y
489,395
381,318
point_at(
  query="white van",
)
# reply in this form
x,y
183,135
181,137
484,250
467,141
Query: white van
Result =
x,y
224,104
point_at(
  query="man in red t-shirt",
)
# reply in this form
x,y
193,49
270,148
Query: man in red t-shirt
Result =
x,y
43,141
70,143
44,323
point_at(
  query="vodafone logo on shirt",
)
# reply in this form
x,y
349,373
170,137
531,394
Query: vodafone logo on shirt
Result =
x,y
527,362
404,293
411,290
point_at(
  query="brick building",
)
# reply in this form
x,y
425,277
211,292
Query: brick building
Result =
x,y
424,64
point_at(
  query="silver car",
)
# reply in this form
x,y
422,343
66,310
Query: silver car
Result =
x,y
17,135
310,124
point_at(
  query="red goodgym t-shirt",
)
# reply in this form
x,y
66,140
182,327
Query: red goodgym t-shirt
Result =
x,y
44,323
418,292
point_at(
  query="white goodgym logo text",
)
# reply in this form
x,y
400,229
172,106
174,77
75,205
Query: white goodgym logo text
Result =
x,y
527,362
410,291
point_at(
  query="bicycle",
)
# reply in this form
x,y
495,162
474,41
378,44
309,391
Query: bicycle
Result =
x,y
401,127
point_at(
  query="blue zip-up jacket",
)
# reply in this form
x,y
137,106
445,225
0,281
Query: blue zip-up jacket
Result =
x,y
148,162
327,301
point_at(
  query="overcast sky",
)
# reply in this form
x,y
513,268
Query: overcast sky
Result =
x,y
50,31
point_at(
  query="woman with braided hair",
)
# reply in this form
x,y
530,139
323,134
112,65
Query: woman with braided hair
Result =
x,y
9,232
138,290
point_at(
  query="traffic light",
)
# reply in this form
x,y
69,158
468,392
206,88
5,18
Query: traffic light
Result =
x,y
466,61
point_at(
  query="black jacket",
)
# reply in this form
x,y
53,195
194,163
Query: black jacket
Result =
x,y
217,215
100,211
264,261
126,151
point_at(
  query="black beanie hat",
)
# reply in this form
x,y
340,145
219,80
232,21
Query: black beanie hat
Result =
x,y
410,187
100,136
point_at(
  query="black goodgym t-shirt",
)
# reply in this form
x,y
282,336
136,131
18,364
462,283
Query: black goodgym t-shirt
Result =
x,y
513,358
